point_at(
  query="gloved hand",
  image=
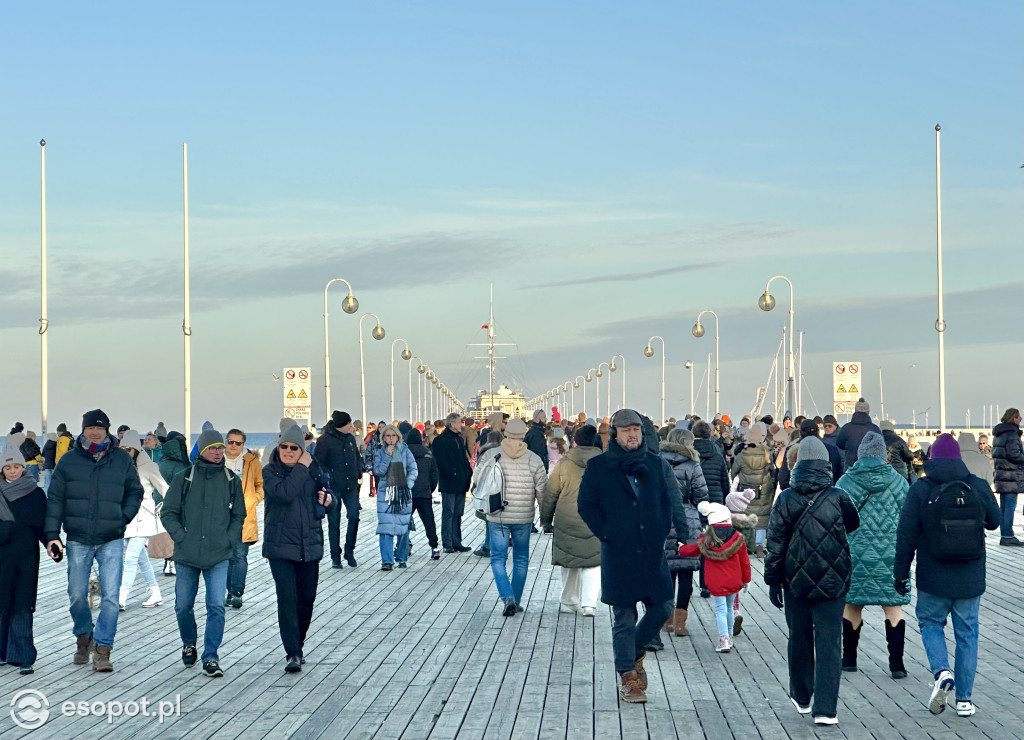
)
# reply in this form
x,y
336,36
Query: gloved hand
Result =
x,y
775,596
902,586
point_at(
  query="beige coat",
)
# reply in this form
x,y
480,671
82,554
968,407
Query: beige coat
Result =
x,y
525,482
574,546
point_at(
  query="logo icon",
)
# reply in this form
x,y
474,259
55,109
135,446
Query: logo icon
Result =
x,y
30,709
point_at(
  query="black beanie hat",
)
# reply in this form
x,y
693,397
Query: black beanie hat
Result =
x,y
95,419
808,428
584,436
404,428
829,419
340,419
61,428
414,437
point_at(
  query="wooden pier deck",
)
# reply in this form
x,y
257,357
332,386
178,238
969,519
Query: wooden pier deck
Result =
x,y
424,653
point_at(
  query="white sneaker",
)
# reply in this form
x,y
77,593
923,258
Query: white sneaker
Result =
x,y
568,608
800,707
944,684
724,645
122,598
155,599
965,709
588,611
824,719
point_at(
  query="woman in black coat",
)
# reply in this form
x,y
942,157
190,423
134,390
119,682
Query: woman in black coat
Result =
x,y
22,509
296,498
1008,458
424,487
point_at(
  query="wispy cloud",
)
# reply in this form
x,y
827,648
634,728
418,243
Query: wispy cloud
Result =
x,y
629,276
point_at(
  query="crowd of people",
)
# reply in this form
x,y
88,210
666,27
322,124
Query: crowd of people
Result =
x,y
638,513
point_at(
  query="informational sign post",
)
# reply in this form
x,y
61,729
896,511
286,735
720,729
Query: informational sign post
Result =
x,y
297,385
846,386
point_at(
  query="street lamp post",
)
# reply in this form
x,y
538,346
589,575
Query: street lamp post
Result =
x,y
597,402
406,355
575,385
613,368
420,369
348,305
649,352
608,390
766,303
698,331
689,366
378,334
940,322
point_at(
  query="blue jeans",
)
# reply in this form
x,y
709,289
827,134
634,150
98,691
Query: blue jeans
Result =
x,y
931,619
1007,506
108,557
760,536
724,614
136,558
390,552
238,569
186,586
497,538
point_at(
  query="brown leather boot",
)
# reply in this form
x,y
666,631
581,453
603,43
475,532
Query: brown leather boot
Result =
x,y
669,626
641,674
679,622
630,690
84,646
737,624
101,660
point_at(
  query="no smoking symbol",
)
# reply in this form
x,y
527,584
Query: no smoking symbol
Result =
x,y
853,369
840,369
290,375
303,375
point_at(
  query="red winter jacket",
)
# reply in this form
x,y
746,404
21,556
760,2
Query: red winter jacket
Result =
x,y
727,567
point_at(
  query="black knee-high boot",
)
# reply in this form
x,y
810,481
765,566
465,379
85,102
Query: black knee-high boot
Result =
x,y
894,638
851,637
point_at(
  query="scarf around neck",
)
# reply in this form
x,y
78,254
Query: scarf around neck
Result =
x,y
96,449
397,493
631,462
12,492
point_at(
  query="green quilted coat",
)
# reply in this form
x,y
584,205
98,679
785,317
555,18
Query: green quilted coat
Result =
x,y
878,491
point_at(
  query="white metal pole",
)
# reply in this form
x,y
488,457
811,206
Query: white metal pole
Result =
x,y
717,362
881,394
707,397
800,378
940,322
691,390
44,322
412,419
186,325
362,369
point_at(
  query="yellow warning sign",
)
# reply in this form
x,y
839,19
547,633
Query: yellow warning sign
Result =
x,y
291,394
302,393
853,388
841,389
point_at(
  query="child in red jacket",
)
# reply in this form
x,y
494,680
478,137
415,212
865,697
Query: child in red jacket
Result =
x,y
726,565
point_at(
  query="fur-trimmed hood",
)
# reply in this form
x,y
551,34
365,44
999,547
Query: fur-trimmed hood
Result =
x,y
728,548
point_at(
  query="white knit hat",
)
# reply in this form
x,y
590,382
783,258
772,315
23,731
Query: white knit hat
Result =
x,y
715,513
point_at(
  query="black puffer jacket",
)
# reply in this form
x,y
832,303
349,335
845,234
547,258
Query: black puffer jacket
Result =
x,y
291,524
30,450
716,472
900,457
812,560
49,454
93,500
427,477
945,579
1008,458
694,489
852,434
449,450
338,453
536,443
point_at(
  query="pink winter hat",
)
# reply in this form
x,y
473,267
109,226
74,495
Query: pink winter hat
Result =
x,y
944,447
737,502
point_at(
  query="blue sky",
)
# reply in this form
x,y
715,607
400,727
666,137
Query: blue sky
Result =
x,y
613,168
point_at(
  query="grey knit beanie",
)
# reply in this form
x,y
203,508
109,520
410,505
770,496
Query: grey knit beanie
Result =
x,y
811,448
293,435
209,438
872,446
862,406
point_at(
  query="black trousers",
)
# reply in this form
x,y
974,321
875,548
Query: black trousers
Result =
x,y
453,506
424,507
683,580
16,645
815,652
296,584
351,503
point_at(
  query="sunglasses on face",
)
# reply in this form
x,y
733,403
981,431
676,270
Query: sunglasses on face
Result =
x,y
233,443
289,448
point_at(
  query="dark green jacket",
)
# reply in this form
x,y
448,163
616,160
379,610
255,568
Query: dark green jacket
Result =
x,y
174,458
206,519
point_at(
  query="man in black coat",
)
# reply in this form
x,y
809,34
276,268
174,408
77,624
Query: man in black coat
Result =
x,y
944,587
900,457
808,428
94,493
852,433
712,463
452,458
629,499
338,452
535,439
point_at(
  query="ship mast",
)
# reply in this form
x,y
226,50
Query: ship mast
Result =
x,y
491,344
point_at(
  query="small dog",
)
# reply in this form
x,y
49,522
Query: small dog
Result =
x,y
94,591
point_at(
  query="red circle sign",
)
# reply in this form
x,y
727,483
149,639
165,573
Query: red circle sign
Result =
x,y
840,369
303,374
290,375
853,369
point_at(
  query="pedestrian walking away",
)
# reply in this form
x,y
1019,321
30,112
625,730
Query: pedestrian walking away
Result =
x,y
94,493
942,526
146,524
807,568
1008,459
203,512
629,498
423,489
297,500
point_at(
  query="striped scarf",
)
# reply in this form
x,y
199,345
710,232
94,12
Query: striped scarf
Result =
x,y
397,494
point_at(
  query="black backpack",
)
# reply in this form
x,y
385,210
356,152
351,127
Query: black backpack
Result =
x,y
955,523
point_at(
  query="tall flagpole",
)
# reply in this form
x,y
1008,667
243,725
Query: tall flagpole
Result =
x,y
44,322
940,322
186,325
